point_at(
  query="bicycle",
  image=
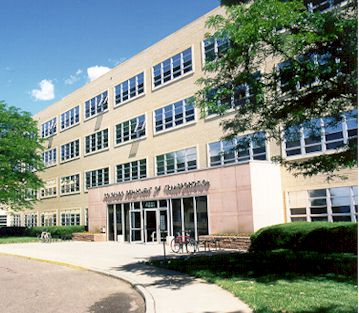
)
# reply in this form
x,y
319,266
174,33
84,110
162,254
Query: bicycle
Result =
x,y
45,236
180,241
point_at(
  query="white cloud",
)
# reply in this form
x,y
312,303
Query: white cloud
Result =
x,y
73,78
46,91
96,71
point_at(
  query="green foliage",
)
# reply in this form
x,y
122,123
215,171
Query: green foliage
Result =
x,y
20,158
265,33
62,232
12,231
304,236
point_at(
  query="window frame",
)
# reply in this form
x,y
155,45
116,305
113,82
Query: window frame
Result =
x,y
143,93
47,165
61,193
138,167
85,189
45,124
130,140
96,106
203,50
96,142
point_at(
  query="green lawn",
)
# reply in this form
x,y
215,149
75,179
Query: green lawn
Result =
x,y
268,290
4,240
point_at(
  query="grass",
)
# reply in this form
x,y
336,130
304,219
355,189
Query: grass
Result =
x,y
4,240
268,289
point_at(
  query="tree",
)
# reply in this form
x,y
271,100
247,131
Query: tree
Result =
x,y
20,158
285,67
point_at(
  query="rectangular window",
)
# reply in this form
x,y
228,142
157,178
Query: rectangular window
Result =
x,y
176,114
96,105
337,204
70,150
3,220
172,68
31,220
175,162
48,219
321,134
238,150
96,142
97,178
131,130
70,184
50,157
322,5
16,220
49,128
70,117
131,171
214,48
50,189
129,89
70,218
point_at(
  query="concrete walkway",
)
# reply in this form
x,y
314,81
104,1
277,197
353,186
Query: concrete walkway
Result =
x,y
164,291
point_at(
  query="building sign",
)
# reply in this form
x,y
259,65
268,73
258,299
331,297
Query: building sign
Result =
x,y
198,186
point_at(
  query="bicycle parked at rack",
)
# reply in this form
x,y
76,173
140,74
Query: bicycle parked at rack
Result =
x,y
45,236
184,241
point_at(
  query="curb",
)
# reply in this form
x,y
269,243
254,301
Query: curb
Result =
x,y
150,306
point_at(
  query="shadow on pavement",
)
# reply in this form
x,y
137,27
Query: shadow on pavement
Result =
x,y
117,302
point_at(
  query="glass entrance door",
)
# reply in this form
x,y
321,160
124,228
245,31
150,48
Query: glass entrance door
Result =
x,y
136,234
151,229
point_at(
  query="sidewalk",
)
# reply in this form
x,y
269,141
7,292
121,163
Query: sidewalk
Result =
x,y
164,291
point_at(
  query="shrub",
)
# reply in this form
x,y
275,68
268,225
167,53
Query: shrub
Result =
x,y
305,236
12,231
63,232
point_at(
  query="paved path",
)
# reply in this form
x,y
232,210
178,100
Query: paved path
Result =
x,y
164,291
33,286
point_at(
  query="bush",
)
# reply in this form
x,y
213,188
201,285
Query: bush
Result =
x,y
321,237
62,232
12,231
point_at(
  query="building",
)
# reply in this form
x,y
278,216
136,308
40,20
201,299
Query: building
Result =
x,y
129,155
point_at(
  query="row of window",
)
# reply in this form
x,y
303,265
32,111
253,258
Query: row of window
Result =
x,y
70,217
338,204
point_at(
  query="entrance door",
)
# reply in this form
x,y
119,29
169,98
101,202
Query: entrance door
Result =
x,y
151,231
136,226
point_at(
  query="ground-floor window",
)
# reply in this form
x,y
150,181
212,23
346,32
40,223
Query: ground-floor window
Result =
x,y
16,220
70,218
338,204
153,220
31,220
3,220
48,219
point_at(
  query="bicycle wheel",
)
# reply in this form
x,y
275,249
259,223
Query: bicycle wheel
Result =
x,y
191,246
175,245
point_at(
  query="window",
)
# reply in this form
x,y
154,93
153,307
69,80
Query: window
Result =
x,y
214,48
50,189
31,220
172,68
131,130
97,178
49,128
321,134
48,219
129,89
97,141
70,150
338,204
175,162
322,5
3,220
70,218
131,171
50,157
175,114
70,184
70,117
238,150
16,220
96,105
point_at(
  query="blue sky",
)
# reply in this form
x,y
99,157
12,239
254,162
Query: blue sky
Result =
x,y
49,48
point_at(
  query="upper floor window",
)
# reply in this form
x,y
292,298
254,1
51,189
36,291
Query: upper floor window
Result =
x,y
97,141
322,5
50,157
129,89
70,184
70,117
49,128
96,105
49,190
339,204
130,130
172,68
175,114
321,134
131,171
96,178
238,150
214,48
70,150
174,162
